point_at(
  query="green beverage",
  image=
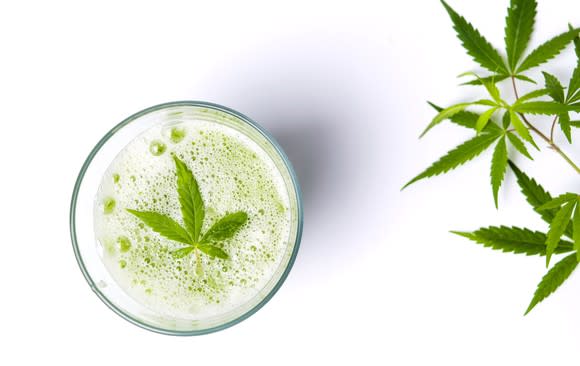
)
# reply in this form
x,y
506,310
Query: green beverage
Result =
x,y
194,219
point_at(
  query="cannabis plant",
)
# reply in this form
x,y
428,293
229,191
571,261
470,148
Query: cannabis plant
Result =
x,y
504,123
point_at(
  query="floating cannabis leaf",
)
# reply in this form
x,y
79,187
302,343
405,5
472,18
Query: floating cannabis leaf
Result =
x,y
193,214
505,127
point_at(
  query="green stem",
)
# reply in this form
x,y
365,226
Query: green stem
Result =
x,y
550,142
198,265
553,128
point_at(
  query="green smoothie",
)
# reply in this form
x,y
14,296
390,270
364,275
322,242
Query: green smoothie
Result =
x,y
231,216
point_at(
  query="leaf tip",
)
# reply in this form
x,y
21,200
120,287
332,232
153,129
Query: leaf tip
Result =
x,y
530,307
408,184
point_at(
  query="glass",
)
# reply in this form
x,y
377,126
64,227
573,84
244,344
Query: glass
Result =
x,y
87,249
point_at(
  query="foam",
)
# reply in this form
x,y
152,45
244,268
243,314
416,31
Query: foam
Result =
x,y
233,173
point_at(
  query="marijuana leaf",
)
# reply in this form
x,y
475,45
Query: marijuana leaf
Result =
x,y
475,44
536,196
520,128
553,279
557,202
225,228
576,228
183,252
458,156
193,213
547,51
518,30
484,119
576,42
499,164
574,85
556,92
554,87
444,114
192,207
561,213
163,225
467,119
212,251
533,94
557,228
495,78
524,78
489,85
514,239
564,121
541,107
518,145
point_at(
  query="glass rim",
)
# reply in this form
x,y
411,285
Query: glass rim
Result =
x,y
72,217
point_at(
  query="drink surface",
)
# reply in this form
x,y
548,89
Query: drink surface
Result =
x,y
234,174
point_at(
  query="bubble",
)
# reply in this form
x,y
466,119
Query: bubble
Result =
x,y
157,147
109,205
116,178
124,244
177,134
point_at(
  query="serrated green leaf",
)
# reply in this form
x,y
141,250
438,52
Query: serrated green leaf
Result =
x,y
525,78
558,201
484,119
486,102
475,44
445,114
505,120
575,98
163,225
533,94
519,145
180,253
576,228
498,167
564,122
467,119
536,195
542,107
458,156
576,42
574,85
520,128
557,228
226,227
514,240
489,85
554,87
553,279
547,51
519,28
496,78
213,251
192,206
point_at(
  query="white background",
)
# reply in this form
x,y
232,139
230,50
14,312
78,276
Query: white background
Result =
x,y
378,280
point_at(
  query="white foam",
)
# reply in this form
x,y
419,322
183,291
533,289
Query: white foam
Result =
x,y
234,174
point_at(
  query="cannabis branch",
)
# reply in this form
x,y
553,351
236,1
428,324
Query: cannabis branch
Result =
x,y
504,124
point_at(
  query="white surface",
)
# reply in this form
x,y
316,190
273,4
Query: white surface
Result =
x,y
378,280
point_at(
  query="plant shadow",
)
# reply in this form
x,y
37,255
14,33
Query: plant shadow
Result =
x,y
299,91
